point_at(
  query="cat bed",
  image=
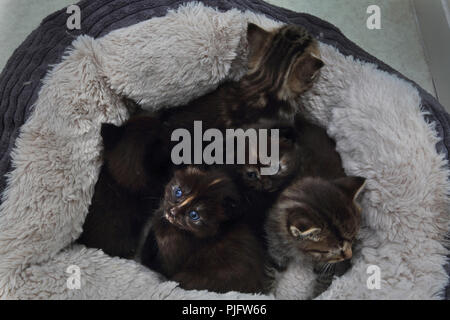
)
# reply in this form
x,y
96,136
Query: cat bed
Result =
x,y
59,86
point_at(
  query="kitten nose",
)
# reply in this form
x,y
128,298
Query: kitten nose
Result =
x,y
347,250
173,211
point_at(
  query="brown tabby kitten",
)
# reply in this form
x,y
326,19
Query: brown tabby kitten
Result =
x,y
282,64
316,219
201,242
130,184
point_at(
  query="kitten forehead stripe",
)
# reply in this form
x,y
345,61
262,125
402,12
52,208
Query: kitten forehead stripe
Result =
x,y
187,201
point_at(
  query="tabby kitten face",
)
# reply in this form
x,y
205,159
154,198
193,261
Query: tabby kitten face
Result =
x,y
198,201
318,218
282,63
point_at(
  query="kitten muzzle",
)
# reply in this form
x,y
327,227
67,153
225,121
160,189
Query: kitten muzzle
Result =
x,y
345,253
169,217
347,250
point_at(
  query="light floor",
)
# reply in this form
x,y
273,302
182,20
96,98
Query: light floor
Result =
x,y
398,43
19,17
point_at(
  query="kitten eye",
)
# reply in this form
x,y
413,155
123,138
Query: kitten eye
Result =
x,y
251,175
194,215
178,193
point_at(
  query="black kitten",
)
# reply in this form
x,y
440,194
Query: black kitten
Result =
x,y
201,242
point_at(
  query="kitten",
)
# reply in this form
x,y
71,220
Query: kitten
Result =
x,y
315,219
305,149
282,64
130,183
251,175
201,242
261,190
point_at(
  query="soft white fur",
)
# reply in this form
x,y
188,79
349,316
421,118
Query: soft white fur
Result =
x,y
375,118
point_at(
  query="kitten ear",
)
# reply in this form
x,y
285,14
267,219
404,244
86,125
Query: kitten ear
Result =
x,y
351,186
310,234
304,72
111,134
256,38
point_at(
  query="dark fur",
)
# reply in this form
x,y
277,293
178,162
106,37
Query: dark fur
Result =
x,y
217,252
260,191
318,156
130,184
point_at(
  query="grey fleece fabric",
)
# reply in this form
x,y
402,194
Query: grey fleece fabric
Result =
x,y
20,80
